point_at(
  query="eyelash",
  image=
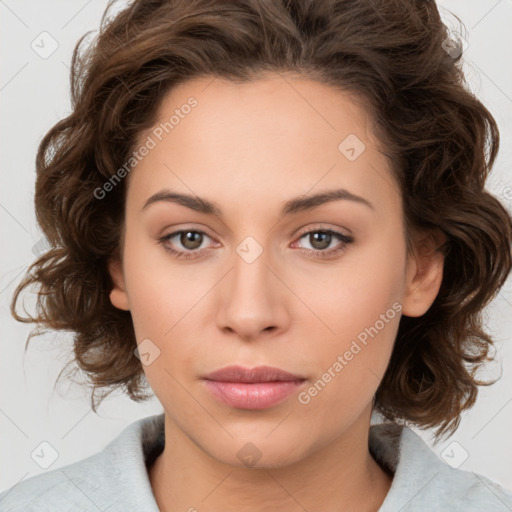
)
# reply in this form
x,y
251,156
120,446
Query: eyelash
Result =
x,y
345,240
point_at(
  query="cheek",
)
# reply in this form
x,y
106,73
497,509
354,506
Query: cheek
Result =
x,y
360,308
161,305
168,301
160,291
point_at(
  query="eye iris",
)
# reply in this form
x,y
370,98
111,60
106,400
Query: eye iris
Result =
x,y
193,237
325,239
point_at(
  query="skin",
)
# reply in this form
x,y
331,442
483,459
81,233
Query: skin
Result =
x,y
249,148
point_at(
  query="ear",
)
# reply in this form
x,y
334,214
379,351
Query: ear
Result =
x,y
424,272
118,295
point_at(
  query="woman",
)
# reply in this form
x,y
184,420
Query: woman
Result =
x,y
274,215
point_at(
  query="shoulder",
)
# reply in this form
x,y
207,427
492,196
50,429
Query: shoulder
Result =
x,y
423,481
115,478
466,491
60,489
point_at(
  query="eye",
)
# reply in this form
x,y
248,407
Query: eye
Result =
x,y
321,240
190,239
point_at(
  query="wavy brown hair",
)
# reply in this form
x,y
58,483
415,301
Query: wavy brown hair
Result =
x,y
393,57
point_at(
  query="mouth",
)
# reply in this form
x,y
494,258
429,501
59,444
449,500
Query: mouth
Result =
x,y
252,375
252,388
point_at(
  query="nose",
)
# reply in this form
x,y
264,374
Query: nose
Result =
x,y
253,300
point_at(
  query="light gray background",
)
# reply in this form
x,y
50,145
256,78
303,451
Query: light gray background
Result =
x,y
34,94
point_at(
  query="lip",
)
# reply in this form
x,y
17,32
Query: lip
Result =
x,y
251,375
252,388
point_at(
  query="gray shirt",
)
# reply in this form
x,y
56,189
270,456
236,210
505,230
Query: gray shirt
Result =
x,y
116,478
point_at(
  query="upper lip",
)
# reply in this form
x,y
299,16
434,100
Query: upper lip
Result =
x,y
257,374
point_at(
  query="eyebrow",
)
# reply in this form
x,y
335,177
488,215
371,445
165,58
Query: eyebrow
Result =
x,y
295,205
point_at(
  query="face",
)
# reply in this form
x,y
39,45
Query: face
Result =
x,y
314,288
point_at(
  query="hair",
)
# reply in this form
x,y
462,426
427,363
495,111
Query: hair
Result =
x,y
392,56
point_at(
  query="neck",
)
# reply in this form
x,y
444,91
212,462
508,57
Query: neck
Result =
x,y
340,475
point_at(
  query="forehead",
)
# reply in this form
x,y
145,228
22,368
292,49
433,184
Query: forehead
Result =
x,y
277,136
274,103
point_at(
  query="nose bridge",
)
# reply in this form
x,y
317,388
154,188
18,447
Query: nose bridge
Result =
x,y
252,300
251,276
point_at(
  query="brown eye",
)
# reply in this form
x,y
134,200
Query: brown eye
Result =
x,y
191,240
320,239
186,243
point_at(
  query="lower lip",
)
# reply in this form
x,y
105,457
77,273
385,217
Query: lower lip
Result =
x,y
259,395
